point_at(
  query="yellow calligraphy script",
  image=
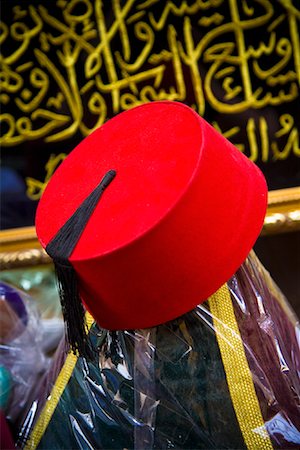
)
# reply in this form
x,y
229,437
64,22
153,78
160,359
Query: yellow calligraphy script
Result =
x,y
68,66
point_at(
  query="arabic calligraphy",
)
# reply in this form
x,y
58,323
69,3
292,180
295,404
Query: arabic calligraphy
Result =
x,y
67,68
258,143
35,188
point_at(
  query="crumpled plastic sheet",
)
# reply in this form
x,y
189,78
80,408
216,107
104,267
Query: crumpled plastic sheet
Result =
x,y
168,387
39,284
22,359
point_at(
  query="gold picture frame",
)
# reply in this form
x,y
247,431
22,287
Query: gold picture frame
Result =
x,y
19,247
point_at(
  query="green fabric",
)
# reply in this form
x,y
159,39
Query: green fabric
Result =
x,y
194,411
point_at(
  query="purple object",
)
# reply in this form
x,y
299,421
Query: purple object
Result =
x,y
15,301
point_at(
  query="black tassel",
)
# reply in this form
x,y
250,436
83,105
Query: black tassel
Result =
x,y
60,249
73,311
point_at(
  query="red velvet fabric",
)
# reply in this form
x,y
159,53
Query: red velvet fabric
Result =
x,y
178,220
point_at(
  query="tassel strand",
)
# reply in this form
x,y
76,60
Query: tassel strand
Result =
x,y
60,249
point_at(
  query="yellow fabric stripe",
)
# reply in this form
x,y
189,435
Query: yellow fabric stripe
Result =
x,y
53,399
237,371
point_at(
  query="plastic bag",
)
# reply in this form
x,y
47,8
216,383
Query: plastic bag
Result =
x,y
40,285
225,375
22,359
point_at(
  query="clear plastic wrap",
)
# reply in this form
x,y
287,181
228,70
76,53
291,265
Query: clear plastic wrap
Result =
x,y
225,375
22,359
39,284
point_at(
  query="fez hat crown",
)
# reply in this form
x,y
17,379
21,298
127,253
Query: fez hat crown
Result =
x,y
179,215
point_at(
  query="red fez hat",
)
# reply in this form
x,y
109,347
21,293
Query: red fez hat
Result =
x,y
182,211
